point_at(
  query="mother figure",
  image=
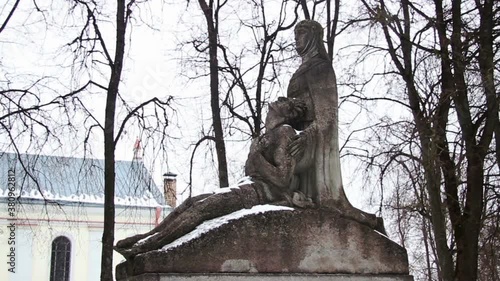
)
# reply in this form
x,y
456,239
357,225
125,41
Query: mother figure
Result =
x,y
317,174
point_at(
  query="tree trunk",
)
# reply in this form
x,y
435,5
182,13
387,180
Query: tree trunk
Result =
x,y
257,118
331,26
425,134
109,147
220,146
461,46
475,152
433,180
467,243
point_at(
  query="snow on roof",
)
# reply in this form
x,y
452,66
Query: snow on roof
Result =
x,y
81,180
217,222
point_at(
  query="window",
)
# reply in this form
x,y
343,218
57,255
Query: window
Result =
x,y
60,260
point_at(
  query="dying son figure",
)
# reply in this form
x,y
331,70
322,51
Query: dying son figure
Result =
x,y
269,165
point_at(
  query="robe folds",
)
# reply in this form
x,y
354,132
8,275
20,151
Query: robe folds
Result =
x,y
318,173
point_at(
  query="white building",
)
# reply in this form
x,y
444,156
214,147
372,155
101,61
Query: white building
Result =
x,y
51,221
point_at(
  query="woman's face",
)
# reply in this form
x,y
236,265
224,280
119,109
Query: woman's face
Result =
x,y
302,37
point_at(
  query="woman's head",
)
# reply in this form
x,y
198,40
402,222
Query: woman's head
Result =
x,y
309,39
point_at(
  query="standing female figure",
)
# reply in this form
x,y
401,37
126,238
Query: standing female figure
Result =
x,y
317,172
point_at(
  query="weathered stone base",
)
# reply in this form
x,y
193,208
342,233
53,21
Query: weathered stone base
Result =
x,y
266,277
275,243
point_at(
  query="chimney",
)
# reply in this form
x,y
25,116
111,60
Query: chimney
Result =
x,y
137,150
169,188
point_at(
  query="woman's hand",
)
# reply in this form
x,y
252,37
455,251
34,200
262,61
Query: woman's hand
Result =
x,y
298,145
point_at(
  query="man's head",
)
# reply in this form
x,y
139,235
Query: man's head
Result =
x,y
282,112
285,111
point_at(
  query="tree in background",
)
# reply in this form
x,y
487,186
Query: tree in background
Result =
x,y
36,109
244,73
248,88
93,49
211,11
37,116
440,66
9,15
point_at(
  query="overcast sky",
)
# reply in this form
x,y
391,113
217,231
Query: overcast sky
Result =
x,y
34,45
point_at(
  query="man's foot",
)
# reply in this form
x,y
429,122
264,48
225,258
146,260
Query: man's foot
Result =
x,y
301,201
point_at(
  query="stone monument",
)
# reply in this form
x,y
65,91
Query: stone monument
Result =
x,y
290,218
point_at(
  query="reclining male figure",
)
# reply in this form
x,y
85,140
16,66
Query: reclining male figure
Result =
x,y
271,168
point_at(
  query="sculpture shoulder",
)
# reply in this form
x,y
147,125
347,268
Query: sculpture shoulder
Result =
x,y
320,67
313,74
315,68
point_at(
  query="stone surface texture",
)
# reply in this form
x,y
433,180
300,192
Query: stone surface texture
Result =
x,y
298,241
268,277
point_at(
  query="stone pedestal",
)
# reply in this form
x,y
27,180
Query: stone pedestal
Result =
x,y
279,245
267,277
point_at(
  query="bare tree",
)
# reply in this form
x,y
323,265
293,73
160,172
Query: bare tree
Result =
x,y
93,48
247,74
247,89
9,16
211,10
449,85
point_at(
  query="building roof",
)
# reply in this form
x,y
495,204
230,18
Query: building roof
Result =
x,y
79,180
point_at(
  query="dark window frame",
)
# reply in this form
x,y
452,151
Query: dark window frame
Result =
x,y
60,260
